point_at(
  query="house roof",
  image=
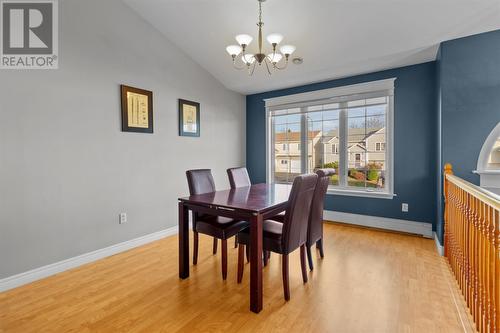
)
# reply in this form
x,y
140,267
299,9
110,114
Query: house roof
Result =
x,y
293,136
356,135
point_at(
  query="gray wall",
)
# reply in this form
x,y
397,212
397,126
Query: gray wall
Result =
x,y
66,169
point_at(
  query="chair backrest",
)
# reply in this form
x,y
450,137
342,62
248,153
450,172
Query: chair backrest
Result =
x,y
315,229
238,177
297,213
200,181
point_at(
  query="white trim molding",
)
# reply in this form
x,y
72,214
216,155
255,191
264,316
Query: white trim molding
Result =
x,y
324,95
64,265
439,247
413,227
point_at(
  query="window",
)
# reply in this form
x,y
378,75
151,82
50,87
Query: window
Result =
x,y
298,146
348,129
380,146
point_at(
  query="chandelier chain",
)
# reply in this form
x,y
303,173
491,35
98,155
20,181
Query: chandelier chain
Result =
x,y
260,14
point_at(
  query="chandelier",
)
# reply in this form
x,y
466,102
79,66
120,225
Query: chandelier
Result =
x,y
271,60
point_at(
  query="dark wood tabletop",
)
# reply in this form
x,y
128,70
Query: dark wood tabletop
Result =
x,y
255,198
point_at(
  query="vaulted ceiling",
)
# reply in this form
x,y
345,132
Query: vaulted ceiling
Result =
x,y
336,38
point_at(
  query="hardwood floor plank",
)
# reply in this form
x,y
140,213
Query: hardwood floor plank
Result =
x,y
369,281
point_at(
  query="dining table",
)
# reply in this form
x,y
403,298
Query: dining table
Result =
x,y
254,204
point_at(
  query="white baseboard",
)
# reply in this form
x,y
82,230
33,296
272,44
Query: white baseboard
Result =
x,y
51,269
439,247
419,228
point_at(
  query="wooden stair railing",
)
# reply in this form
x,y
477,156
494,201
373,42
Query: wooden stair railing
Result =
x,y
471,244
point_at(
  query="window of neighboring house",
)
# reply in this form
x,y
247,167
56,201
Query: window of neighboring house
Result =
x,y
284,162
355,117
298,146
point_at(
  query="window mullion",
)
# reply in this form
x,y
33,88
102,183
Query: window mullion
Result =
x,y
304,153
342,172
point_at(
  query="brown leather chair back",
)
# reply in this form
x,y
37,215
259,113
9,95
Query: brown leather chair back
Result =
x,y
200,181
315,229
297,213
238,177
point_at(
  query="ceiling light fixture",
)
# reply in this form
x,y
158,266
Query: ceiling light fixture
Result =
x,y
271,60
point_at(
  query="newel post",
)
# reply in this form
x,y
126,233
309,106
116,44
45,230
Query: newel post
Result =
x,y
448,170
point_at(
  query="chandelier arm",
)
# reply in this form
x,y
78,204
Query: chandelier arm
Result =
x,y
282,68
253,69
234,63
267,66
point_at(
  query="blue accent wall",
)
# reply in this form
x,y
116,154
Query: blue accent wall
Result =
x,y
415,149
469,90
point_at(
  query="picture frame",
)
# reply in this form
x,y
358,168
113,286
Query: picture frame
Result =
x,y
137,109
189,118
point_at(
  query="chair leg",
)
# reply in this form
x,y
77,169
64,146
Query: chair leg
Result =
x,y
266,257
195,247
224,258
247,252
319,245
236,241
241,263
215,246
303,262
309,257
286,278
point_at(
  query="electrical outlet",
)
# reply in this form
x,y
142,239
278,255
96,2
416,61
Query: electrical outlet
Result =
x,y
404,207
123,218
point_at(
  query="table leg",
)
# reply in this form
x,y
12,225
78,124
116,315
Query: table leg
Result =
x,y
183,241
256,263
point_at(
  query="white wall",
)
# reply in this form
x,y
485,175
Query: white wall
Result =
x,y
67,170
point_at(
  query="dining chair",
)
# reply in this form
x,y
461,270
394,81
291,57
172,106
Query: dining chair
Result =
x,y
200,181
315,225
286,237
238,177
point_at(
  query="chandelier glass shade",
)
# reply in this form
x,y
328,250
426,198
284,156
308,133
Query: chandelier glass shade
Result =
x,y
277,59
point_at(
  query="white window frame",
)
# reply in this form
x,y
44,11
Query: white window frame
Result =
x,y
304,100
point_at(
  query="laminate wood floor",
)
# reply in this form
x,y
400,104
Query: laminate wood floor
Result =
x,y
369,281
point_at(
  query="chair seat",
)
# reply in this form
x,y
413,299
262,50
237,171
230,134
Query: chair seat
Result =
x,y
218,226
271,240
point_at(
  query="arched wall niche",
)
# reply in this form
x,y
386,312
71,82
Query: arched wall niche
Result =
x,y
488,163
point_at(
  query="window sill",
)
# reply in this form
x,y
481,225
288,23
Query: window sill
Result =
x,y
365,194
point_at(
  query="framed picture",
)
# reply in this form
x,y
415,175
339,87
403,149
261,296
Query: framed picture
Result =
x,y
189,118
137,110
